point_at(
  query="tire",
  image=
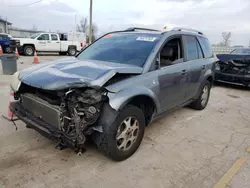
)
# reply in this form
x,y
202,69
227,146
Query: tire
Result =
x,y
200,104
8,50
113,143
72,51
29,50
62,53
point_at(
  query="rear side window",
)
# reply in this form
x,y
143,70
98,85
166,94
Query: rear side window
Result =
x,y
54,37
191,48
206,47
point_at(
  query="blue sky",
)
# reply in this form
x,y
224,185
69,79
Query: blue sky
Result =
x,y
210,16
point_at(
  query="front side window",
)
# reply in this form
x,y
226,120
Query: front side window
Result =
x,y
171,53
43,37
124,48
191,48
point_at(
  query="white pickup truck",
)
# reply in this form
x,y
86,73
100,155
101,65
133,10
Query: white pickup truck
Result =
x,y
49,42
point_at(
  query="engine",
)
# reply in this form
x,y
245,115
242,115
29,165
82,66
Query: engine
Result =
x,y
80,109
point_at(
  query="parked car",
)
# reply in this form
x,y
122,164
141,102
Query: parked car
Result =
x,y
48,42
5,42
234,68
115,87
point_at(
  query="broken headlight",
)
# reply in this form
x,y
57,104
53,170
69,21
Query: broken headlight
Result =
x,y
15,83
217,67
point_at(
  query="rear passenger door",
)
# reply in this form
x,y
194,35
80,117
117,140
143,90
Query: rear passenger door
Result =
x,y
54,44
195,59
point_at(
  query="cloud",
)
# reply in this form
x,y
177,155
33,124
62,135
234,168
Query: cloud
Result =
x,y
210,16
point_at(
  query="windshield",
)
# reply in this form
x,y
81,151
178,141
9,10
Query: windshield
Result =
x,y
125,48
35,35
241,51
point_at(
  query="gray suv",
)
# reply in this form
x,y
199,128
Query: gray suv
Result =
x,y
115,87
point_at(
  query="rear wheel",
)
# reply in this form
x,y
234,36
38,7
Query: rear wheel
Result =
x,y
125,134
72,51
29,50
201,102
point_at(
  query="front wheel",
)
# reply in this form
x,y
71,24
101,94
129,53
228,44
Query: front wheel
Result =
x,y
29,50
125,134
201,102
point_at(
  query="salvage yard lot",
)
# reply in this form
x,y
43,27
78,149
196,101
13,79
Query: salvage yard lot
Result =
x,y
186,148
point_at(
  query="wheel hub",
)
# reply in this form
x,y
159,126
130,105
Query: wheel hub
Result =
x,y
127,133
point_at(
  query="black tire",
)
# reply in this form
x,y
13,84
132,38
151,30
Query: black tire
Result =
x,y
72,51
29,50
62,53
8,50
109,143
198,104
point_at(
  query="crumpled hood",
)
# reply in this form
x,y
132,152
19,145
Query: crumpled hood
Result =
x,y
72,73
229,57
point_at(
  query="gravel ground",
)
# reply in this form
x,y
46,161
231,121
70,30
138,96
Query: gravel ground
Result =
x,y
186,148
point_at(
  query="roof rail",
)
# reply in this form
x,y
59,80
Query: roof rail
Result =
x,y
187,29
138,28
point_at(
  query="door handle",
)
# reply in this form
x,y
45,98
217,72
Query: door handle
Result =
x,y
203,67
57,42
48,41
183,72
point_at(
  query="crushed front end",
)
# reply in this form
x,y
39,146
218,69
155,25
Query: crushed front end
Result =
x,y
66,116
233,71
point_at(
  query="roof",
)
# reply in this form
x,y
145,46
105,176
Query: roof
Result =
x,y
4,21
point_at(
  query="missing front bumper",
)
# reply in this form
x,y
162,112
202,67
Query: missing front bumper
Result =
x,y
42,127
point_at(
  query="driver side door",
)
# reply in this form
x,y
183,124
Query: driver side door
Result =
x,y
42,42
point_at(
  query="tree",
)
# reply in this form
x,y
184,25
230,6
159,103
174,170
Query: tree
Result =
x,y
83,26
34,27
226,38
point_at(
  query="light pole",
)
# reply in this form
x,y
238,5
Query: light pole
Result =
x,y
90,22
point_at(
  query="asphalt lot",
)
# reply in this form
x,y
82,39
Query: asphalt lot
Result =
x,y
186,148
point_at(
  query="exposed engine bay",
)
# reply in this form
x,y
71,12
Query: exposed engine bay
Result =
x,y
73,112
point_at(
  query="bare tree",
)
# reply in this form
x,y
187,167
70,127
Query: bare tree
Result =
x,y
34,27
83,26
226,38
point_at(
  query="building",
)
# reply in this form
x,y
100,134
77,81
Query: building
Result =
x,y
4,25
22,33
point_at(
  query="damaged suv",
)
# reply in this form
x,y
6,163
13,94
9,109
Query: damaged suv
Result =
x,y
234,68
115,87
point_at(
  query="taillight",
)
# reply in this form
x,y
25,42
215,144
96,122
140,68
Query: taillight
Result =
x,y
81,44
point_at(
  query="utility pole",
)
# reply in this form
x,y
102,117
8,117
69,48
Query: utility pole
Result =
x,y
90,22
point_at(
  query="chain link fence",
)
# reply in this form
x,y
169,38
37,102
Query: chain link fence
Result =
x,y
222,49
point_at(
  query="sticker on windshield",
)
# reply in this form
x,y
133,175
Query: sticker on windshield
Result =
x,y
147,39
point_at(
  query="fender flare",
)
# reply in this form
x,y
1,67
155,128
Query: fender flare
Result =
x,y
118,100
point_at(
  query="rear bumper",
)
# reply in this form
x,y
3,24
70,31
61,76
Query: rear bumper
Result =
x,y
40,126
232,78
